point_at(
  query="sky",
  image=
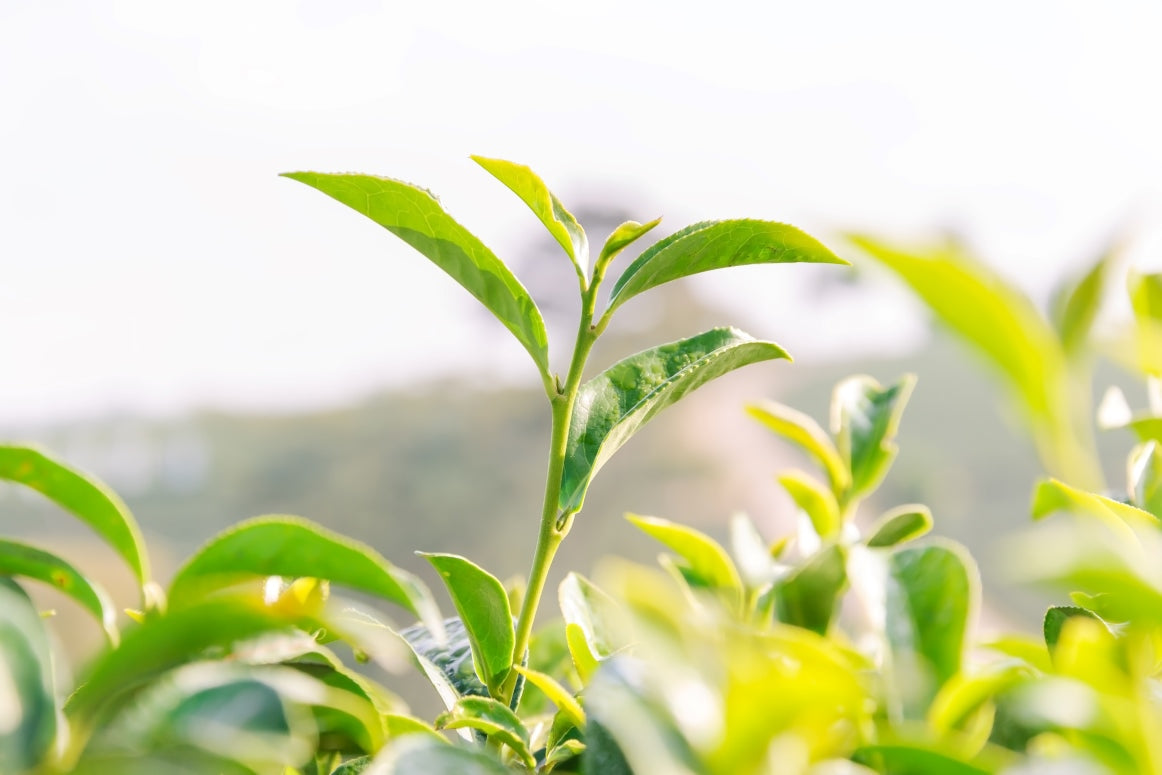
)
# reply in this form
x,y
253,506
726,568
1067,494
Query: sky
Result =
x,y
154,262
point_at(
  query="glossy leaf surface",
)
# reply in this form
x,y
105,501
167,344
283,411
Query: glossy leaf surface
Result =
x,y
1052,496
809,596
622,237
714,245
17,559
700,554
482,602
494,719
593,613
931,593
615,404
866,417
416,217
294,547
84,497
447,662
801,430
26,697
527,185
901,524
557,694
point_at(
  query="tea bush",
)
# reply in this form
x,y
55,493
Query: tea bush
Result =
x,y
847,647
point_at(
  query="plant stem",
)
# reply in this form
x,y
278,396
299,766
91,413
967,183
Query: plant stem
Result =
x,y
554,524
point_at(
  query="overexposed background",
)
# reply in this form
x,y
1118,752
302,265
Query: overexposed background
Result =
x,y
153,262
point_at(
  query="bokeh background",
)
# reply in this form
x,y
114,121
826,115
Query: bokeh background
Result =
x,y
217,342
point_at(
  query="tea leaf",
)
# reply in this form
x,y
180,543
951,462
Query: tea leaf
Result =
x,y
494,719
557,694
423,755
865,419
17,559
85,497
622,237
1055,619
713,245
903,523
701,555
809,596
525,183
615,404
295,547
1075,307
803,431
30,717
416,217
817,502
483,606
931,594
594,613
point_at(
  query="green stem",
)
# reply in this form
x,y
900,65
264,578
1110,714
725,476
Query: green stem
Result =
x,y
554,524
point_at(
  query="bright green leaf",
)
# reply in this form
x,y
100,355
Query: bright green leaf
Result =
x,y
901,524
612,406
905,759
527,185
817,502
483,606
931,594
622,237
809,596
17,559
295,547
1052,496
557,694
1145,475
799,429
594,614
865,419
86,498
1075,306
26,697
964,694
494,719
700,554
714,245
398,725
416,217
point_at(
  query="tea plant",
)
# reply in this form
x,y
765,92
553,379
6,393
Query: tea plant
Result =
x,y
847,647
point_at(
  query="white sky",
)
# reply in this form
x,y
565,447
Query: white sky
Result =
x,y
152,260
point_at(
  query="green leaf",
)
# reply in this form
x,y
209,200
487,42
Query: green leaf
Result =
x,y
612,406
1075,307
800,429
17,559
26,698
700,555
903,759
446,661
714,245
295,547
416,217
525,183
603,755
1145,469
931,594
1146,296
1055,619
352,766
903,523
595,615
164,642
483,605
1052,496
557,694
817,502
398,725
421,755
494,719
255,715
86,498
622,237
866,417
964,694
809,596
1004,326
